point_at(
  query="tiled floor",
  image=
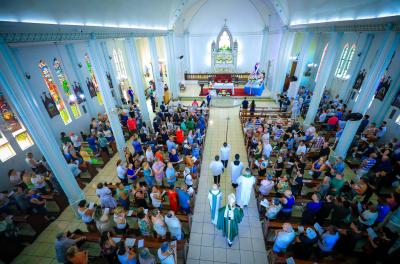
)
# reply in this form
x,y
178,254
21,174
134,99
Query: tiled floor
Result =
x,y
207,245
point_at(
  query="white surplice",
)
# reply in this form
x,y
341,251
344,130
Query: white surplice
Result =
x,y
243,191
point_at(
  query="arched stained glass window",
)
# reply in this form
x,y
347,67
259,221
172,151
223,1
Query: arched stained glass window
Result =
x,y
345,60
321,61
224,41
119,64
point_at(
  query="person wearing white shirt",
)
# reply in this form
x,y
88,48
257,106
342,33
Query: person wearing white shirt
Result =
x,y
310,132
217,169
301,149
236,170
76,141
121,172
368,217
187,176
265,137
225,154
267,149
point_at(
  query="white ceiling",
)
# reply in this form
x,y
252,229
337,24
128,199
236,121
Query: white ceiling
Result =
x,y
149,14
162,14
319,11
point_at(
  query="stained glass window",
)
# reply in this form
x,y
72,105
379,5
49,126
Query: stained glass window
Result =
x,y
321,61
345,60
93,79
119,64
72,99
10,123
224,41
54,93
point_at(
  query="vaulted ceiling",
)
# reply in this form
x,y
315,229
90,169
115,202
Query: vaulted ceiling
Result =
x,y
167,14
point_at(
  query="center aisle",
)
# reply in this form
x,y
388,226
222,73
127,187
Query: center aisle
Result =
x,y
207,245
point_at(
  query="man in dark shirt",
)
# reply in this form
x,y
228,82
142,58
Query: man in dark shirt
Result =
x,y
364,123
245,104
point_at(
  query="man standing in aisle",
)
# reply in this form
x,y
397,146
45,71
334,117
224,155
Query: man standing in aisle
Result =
x,y
215,200
225,154
217,169
245,186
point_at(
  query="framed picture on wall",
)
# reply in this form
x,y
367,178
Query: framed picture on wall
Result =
x,y
396,101
49,104
359,79
383,87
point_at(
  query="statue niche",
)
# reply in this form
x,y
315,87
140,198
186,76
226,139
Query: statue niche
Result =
x,y
224,52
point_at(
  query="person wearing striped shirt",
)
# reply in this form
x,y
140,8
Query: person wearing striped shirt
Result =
x,y
366,165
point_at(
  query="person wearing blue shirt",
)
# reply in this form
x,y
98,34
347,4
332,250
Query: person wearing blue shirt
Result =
x,y
195,151
126,255
383,209
184,200
328,239
171,144
137,146
245,104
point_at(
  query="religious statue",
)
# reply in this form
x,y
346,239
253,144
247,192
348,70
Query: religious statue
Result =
x,y
229,218
215,199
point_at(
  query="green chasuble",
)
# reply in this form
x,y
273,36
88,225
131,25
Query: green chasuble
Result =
x,y
229,225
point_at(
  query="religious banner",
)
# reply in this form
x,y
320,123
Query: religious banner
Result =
x,y
92,84
396,101
383,87
359,79
54,94
110,83
72,98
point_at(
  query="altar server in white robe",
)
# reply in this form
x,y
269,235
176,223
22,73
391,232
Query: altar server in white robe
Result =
x,y
236,170
245,186
215,199
225,154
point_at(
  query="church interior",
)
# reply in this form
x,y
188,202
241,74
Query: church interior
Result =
x,y
199,131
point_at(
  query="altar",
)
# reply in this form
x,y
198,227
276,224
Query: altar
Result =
x,y
224,86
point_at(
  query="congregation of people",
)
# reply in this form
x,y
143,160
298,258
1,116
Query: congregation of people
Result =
x,y
315,204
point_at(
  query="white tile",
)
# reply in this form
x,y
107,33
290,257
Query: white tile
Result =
x,y
220,254
207,253
194,252
195,239
233,256
245,243
246,257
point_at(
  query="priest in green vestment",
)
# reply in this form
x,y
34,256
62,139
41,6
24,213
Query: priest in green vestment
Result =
x,y
229,218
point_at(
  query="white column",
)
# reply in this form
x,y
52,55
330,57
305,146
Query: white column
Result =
x,y
19,93
302,60
264,50
368,88
156,72
109,60
325,69
136,77
171,64
283,61
353,72
99,66
187,67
